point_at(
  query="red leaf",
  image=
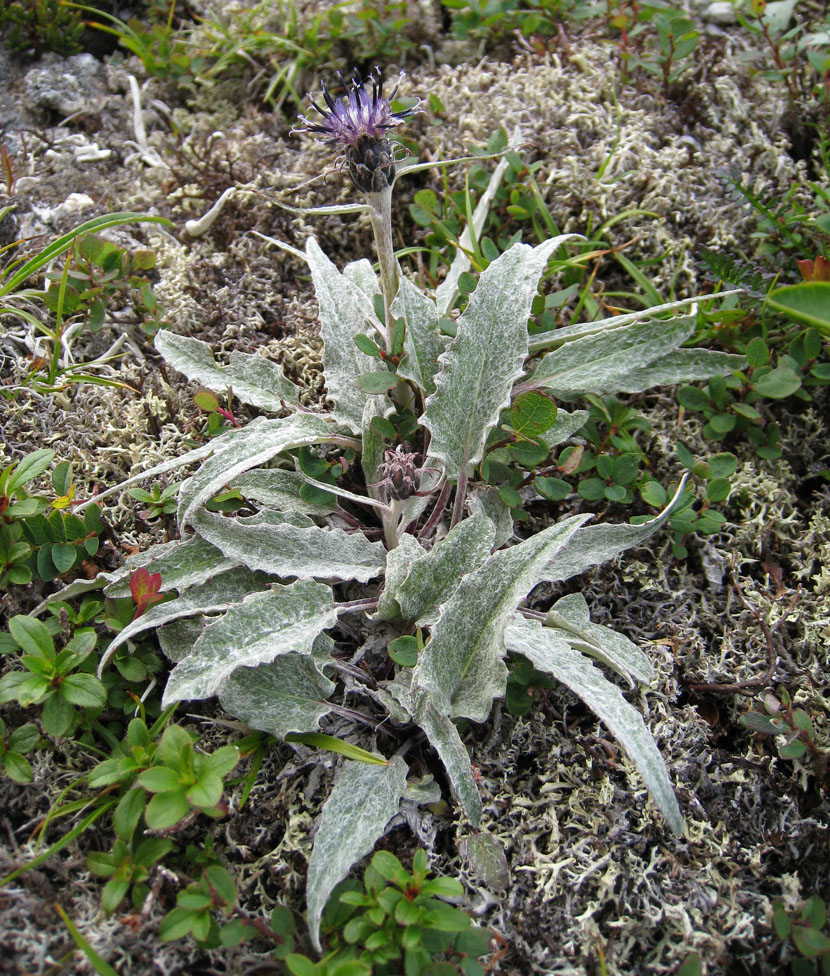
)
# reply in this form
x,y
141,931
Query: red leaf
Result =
x,y
144,588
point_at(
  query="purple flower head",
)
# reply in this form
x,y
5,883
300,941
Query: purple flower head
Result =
x,y
357,123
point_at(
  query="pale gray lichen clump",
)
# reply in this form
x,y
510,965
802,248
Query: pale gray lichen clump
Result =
x,y
671,158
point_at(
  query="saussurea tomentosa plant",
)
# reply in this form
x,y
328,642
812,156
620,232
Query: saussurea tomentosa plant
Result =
x,y
382,489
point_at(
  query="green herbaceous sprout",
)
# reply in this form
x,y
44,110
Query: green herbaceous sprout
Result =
x,y
391,488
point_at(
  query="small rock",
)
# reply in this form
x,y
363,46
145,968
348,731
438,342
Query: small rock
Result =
x,y
41,220
66,85
721,13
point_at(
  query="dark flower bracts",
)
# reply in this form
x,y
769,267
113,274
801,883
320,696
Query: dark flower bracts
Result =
x,y
357,123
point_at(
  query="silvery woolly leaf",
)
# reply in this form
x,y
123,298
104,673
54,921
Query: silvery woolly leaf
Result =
x,y
278,621
398,562
270,542
423,342
362,274
596,363
434,576
547,340
362,803
187,562
548,652
570,618
214,596
240,450
279,489
461,668
485,358
444,738
683,366
345,311
595,544
177,638
286,695
254,379
485,500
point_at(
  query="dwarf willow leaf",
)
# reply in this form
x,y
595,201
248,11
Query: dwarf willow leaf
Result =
x,y
444,738
548,652
434,577
570,618
254,379
345,311
461,668
485,358
240,450
286,695
267,541
214,596
267,624
423,342
532,413
595,364
361,804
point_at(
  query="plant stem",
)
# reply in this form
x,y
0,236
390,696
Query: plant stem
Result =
x,y
380,214
460,497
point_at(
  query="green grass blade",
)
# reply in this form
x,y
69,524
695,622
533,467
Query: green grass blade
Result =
x,y
67,838
63,243
98,963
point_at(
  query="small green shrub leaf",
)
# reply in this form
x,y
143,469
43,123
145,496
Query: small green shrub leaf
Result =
x,y
779,383
807,302
532,413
